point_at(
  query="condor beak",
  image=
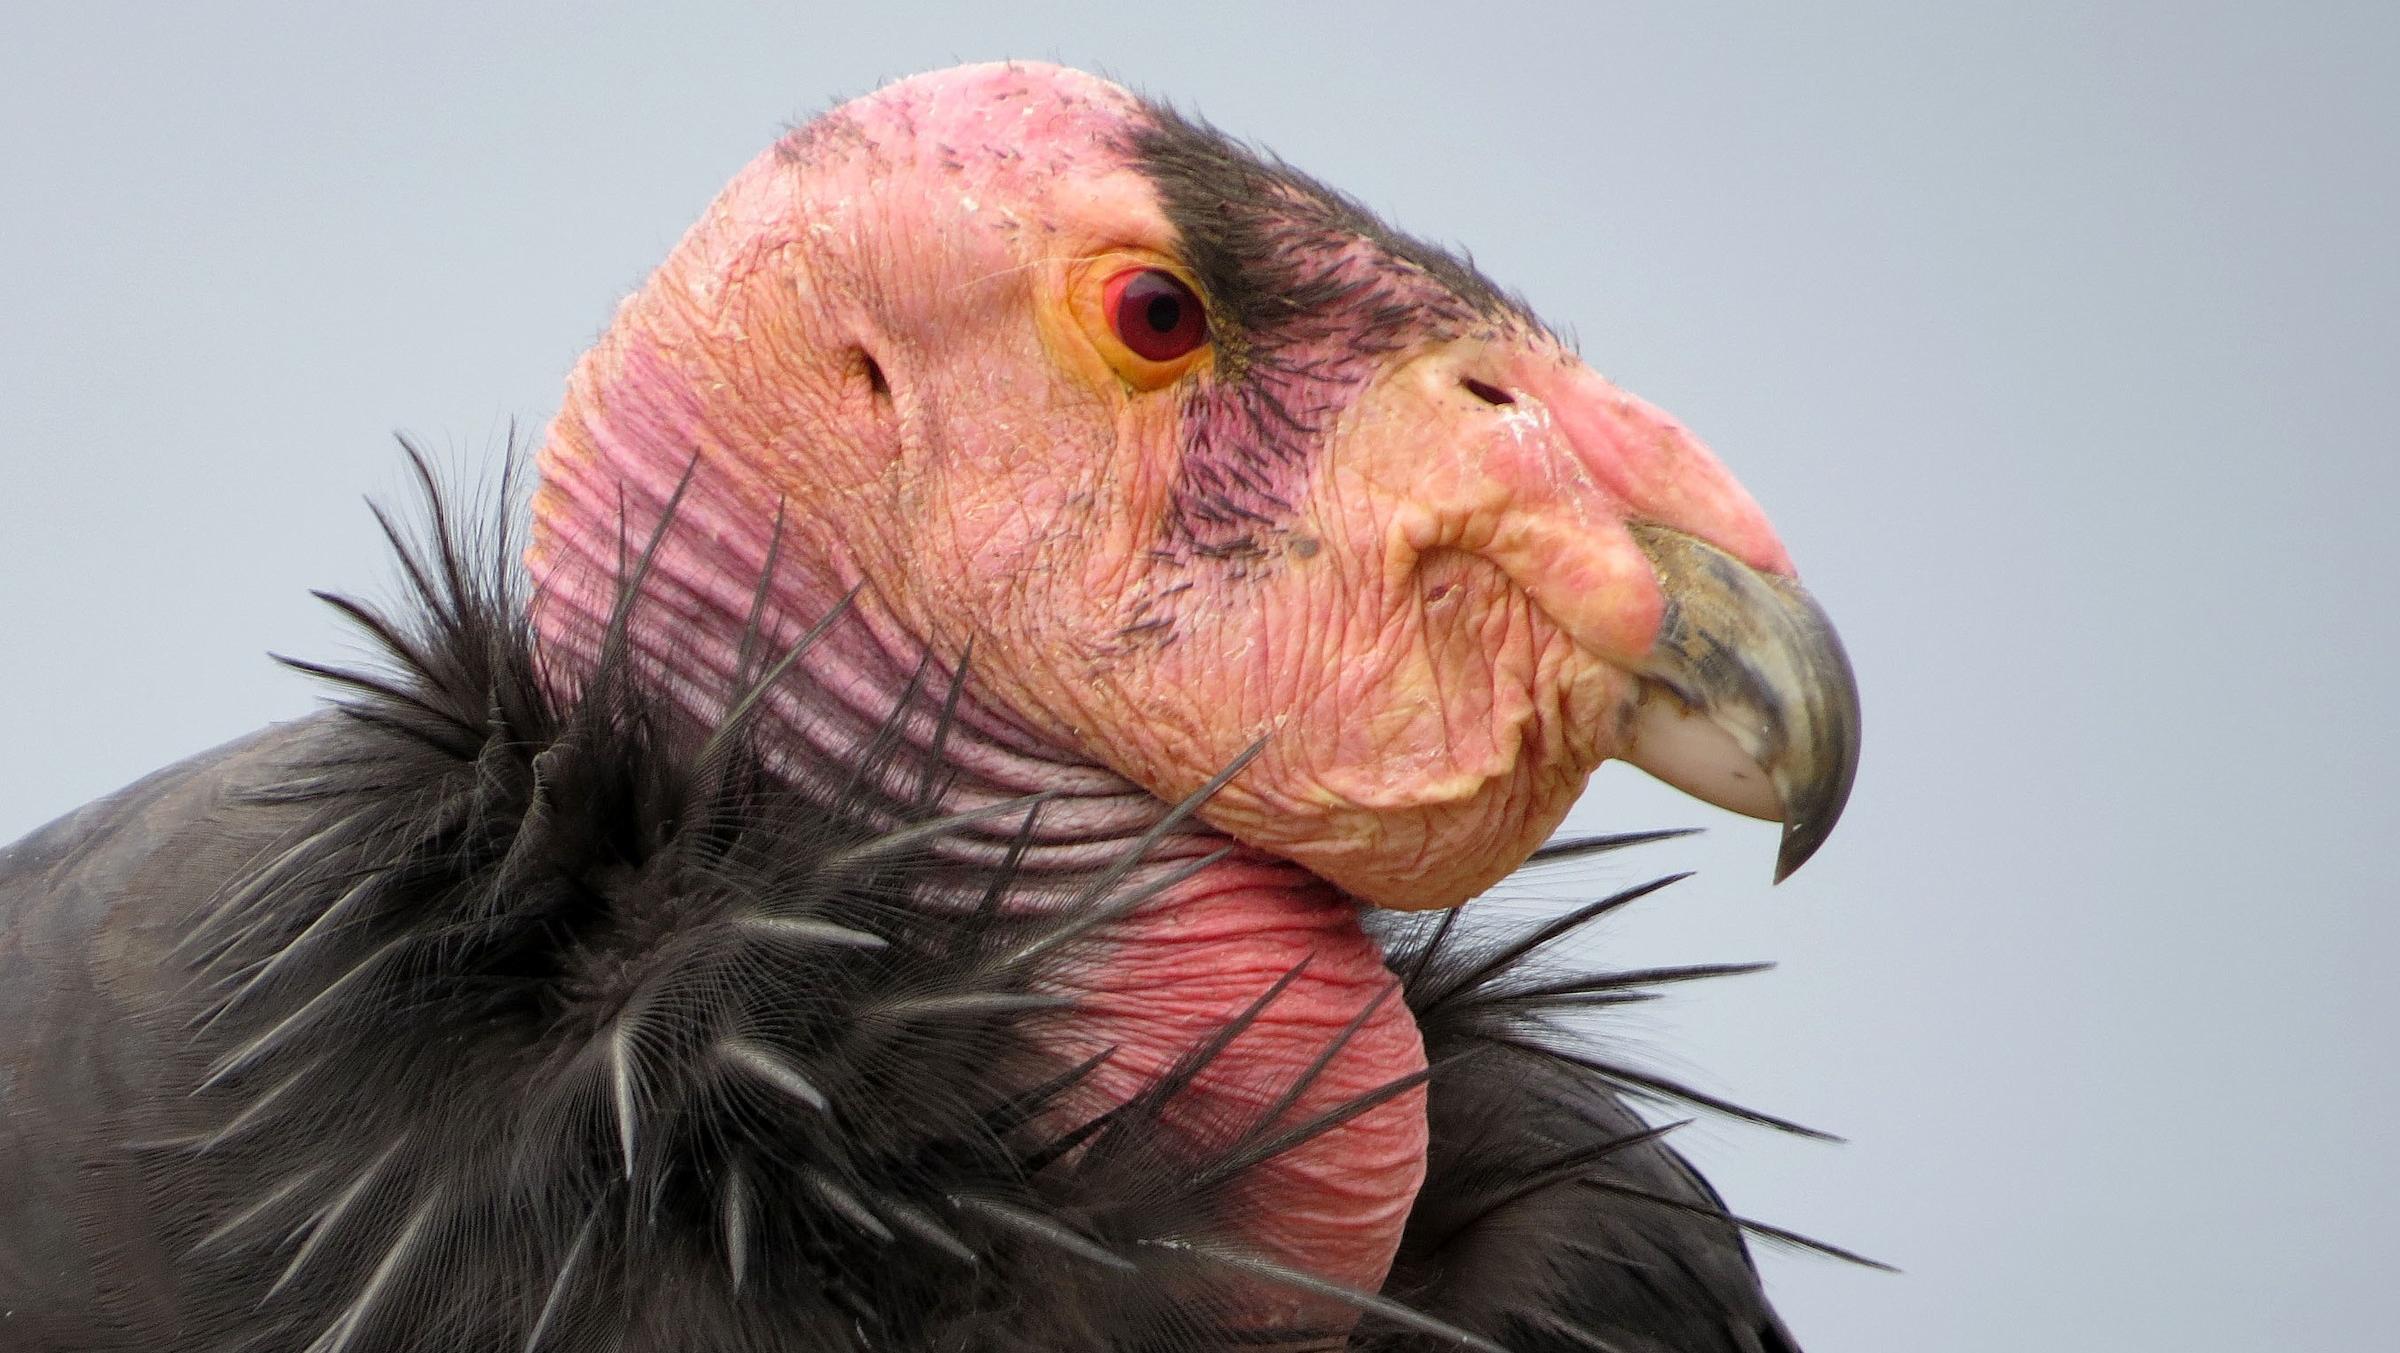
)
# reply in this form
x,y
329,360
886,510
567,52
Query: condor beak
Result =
x,y
1747,698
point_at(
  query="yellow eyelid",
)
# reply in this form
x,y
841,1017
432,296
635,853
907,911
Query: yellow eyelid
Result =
x,y
1087,284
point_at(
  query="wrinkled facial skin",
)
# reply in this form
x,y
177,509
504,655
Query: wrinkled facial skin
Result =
x,y
1380,522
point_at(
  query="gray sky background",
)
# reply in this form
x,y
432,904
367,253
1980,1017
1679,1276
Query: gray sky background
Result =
x,y
2062,343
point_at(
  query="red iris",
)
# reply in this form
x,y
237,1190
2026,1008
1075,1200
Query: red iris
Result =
x,y
1154,313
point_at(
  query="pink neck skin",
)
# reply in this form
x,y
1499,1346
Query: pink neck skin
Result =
x,y
1159,982
693,626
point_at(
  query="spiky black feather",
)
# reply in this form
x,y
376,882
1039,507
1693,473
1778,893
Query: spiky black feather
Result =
x,y
531,1015
1554,1216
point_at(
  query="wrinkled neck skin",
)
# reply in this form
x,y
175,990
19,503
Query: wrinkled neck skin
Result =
x,y
704,624
1159,982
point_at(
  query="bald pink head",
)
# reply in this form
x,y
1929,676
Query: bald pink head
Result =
x,y
1378,519
1314,489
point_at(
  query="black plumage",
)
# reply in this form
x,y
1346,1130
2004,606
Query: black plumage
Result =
x,y
478,1014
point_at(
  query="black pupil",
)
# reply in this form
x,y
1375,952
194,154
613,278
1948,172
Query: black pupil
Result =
x,y
1163,313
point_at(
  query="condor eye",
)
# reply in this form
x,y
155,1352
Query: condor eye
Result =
x,y
1154,313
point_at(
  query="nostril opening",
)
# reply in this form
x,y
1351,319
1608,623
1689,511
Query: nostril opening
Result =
x,y
1489,394
876,384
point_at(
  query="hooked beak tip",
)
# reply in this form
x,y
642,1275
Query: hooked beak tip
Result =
x,y
1754,656
1800,841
